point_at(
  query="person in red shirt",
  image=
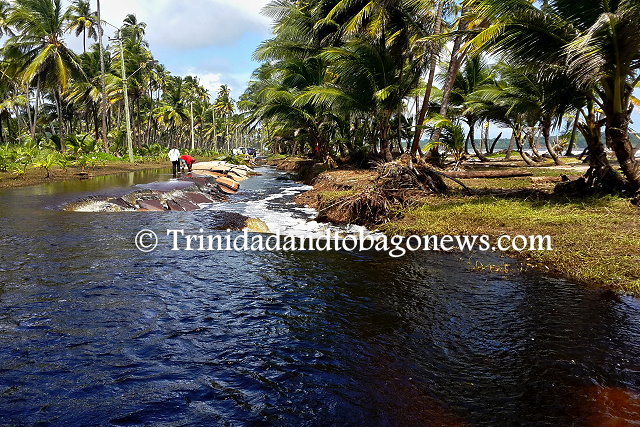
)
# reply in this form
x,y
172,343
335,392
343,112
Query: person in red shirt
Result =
x,y
188,161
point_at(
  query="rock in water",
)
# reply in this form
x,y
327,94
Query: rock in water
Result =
x,y
255,225
151,205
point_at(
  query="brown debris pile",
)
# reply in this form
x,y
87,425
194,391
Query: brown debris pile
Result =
x,y
372,197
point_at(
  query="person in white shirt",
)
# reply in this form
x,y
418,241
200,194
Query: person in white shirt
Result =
x,y
174,156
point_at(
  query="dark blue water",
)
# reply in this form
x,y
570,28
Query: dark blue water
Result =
x,y
94,332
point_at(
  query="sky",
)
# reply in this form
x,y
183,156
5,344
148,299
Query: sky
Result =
x,y
211,39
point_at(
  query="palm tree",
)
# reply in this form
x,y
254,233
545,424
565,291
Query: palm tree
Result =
x,y
40,48
434,55
83,21
171,113
134,29
475,75
87,94
5,12
367,82
224,106
452,137
594,43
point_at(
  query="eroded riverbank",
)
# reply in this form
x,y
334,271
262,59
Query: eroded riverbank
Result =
x,y
596,240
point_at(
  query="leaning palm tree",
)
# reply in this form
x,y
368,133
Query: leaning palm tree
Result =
x,y
594,43
40,48
83,21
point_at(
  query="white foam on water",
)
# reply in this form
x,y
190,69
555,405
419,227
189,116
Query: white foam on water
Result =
x,y
290,220
95,206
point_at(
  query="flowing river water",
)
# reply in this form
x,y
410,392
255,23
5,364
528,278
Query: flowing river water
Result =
x,y
94,332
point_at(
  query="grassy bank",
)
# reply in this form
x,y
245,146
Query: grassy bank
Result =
x,y
22,166
35,176
596,240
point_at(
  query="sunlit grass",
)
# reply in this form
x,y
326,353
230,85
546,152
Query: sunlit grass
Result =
x,y
596,240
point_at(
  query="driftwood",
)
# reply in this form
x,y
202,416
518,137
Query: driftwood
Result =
x,y
489,174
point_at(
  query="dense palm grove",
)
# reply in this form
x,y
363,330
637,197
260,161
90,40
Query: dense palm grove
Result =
x,y
59,107
374,78
351,78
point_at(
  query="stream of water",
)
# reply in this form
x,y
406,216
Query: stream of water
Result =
x,y
94,332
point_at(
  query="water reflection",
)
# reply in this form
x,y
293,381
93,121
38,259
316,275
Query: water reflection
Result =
x,y
93,332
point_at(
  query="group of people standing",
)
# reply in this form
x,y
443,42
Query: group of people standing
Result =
x,y
178,161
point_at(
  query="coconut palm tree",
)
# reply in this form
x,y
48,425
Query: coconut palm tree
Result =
x,y
86,95
83,21
402,26
367,81
134,29
224,106
475,74
5,11
40,48
594,43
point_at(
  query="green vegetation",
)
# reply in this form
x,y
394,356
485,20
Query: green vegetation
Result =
x,y
596,241
16,159
58,107
356,79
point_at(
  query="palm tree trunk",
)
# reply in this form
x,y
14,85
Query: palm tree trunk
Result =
x,y
532,143
546,133
28,109
385,150
226,135
435,55
472,140
572,141
400,147
617,131
510,148
96,121
215,130
518,138
466,143
103,85
600,173
36,108
485,137
495,142
457,56
193,140
58,96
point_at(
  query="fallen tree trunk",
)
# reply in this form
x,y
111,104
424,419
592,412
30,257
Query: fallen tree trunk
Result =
x,y
489,174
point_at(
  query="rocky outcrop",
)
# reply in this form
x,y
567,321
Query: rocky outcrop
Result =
x,y
182,195
210,182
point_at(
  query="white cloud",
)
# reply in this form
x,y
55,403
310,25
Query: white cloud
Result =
x,y
191,24
212,82
187,35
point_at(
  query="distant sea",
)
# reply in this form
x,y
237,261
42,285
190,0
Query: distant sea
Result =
x,y
579,147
